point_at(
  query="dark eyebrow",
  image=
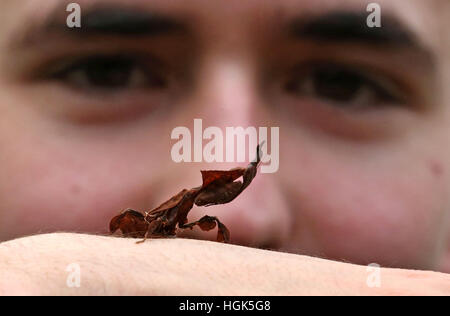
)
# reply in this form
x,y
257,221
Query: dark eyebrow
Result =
x,y
112,20
349,26
101,20
125,21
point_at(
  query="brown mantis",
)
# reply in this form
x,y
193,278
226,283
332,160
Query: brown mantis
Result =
x,y
219,187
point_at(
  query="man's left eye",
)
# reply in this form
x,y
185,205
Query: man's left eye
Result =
x,y
341,86
110,73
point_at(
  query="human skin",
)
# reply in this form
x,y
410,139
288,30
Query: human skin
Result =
x,y
361,185
189,267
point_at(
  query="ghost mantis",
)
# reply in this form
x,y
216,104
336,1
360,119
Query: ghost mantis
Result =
x,y
218,187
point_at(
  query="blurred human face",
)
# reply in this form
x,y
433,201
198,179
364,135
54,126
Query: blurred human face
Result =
x,y
86,119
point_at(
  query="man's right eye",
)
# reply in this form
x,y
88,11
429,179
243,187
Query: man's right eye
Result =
x,y
110,74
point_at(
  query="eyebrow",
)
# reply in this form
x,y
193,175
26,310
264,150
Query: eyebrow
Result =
x,y
110,20
104,20
349,26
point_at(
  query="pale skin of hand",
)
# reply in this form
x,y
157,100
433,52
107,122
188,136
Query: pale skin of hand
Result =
x,y
37,265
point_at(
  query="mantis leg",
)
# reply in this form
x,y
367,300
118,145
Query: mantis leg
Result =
x,y
207,223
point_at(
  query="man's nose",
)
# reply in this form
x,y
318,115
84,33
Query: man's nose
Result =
x,y
227,91
228,96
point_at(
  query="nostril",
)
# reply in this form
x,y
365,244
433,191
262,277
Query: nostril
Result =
x,y
268,246
259,243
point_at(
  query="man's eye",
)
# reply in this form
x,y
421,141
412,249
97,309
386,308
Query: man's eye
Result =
x,y
110,73
342,87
